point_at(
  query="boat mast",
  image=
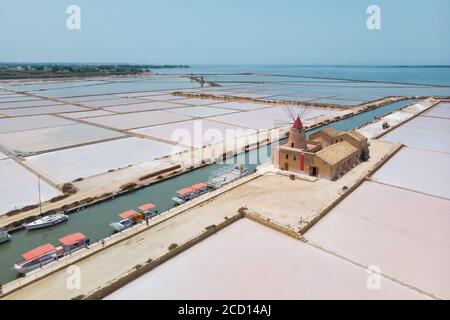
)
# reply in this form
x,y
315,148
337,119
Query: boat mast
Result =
x,y
40,201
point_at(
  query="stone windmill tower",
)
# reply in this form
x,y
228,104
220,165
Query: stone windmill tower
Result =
x,y
297,136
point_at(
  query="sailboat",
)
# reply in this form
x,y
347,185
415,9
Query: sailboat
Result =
x,y
4,235
46,221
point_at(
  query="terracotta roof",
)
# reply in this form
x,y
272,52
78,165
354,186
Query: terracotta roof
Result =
x,y
72,238
39,251
298,124
127,214
336,152
288,148
321,140
331,132
356,135
146,207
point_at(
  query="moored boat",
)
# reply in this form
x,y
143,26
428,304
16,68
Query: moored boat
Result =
x,y
4,235
190,193
72,243
129,219
148,210
36,258
221,178
47,253
46,221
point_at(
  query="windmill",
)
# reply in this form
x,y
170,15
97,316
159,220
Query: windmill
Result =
x,y
292,115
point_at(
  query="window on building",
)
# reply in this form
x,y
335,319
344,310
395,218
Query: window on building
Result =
x,y
295,158
292,145
287,156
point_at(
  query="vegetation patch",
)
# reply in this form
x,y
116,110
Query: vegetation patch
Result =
x,y
68,188
128,186
16,211
59,198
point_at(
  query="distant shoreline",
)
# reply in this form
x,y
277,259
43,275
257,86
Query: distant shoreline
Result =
x,y
61,70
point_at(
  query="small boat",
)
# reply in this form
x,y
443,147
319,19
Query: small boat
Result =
x,y
71,243
36,258
190,193
148,210
129,219
47,221
4,235
47,253
223,177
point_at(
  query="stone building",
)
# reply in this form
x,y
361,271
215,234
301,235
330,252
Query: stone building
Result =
x,y
327,153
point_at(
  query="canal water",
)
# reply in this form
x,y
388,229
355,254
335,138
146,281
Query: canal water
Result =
x,y
94,221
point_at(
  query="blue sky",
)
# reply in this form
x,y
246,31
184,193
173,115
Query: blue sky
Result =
x,y
302,32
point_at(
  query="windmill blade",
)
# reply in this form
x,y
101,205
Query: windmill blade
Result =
x,y
290,112
282,123
302,113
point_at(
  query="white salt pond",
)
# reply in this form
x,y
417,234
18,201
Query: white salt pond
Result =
x,y
162,97
46,139
197,101
229,265
418,170
32,122
110,102
19,187
442,110
201,112
196,133
89,98
88,114
143,106
70,164
242,105
269,118
61,108
139,119
27,104
426,139
429,123
142,94
403,233
16,98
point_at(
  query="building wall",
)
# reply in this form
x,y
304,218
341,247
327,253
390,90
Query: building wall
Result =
x,y
324,169
345,165
293,160
311,161
354,142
